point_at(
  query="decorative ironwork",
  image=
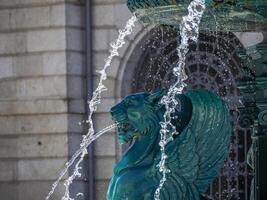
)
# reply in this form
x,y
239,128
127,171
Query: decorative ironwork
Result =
x,y
234,15
213,64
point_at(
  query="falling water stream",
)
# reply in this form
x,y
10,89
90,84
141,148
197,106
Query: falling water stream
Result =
x,y
189,30
93,103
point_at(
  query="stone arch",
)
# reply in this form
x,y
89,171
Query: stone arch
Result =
x,y
129,55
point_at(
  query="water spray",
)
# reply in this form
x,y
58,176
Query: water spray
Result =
x,y
189,30
93,103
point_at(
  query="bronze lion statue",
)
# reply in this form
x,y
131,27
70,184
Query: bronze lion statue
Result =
x,y
195,156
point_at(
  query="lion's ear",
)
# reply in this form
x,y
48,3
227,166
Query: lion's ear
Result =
x,y
155,97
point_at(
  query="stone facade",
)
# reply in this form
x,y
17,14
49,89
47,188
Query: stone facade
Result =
x,y
42,94
42,85
105,31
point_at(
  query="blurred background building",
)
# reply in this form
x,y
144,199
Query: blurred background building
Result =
x,y
43,91
46,54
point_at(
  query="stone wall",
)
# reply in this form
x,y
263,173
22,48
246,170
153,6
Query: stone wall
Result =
x,y
42,91
42,87
108,17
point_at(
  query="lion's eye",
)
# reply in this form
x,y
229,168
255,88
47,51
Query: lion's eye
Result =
x,y
134,115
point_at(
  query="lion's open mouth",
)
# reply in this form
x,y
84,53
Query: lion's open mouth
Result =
x,y
125,132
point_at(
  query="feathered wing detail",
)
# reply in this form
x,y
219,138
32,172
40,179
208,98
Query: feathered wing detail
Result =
x,y
196,156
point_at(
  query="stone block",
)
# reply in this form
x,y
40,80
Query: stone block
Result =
x,y
29,88
5,20
101,189
105,145
112,37
39,64
99,62
40,169
34,146
40,146
54,63
9,147
9,190
13,43
103,168
79,187
76,63
46,40
33,88
57,15
34,124
102,120
75,15
121,15
75,140
76,87
110,83
33,107
6,70
24,3
75,39
37,190
74,121
101,39
28,65
106,105
76,106
96,2
23,18
7,89
8,170
103,15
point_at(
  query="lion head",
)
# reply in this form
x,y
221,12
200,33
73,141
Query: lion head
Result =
x,y
137,115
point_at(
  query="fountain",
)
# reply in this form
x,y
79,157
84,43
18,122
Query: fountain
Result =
x,y
180,140
92,104
228,16
194,156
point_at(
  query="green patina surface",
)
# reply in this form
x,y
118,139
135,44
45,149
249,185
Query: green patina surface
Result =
x,y
195,156
231,15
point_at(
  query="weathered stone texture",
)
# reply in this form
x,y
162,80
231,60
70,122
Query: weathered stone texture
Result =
x,y
103,171
40,169
101,186
34,146
105,145
42,87
23,18
46,40
5,24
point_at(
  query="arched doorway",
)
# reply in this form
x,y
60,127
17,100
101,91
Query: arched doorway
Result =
x,y
212,63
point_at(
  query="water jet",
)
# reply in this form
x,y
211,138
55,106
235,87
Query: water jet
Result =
x,y
222,16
